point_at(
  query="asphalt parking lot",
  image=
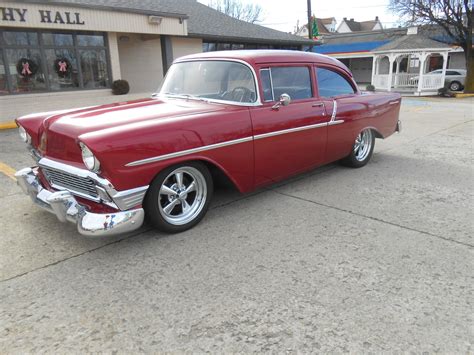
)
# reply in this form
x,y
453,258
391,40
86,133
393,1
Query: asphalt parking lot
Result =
x,y
336,260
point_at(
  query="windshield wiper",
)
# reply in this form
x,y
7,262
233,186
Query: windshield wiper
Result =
x,y
186,96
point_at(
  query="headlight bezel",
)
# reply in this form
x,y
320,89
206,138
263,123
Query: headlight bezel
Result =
x,y
25,137
89,159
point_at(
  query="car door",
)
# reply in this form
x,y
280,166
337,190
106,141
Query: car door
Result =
x,y
287,139
342,100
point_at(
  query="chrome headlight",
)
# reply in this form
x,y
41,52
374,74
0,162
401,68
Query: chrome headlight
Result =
x,y
90,161
25,137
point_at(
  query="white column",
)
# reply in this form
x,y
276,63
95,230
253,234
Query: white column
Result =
x,y
114,56
374,68
422,57
391,59
445,65
397,71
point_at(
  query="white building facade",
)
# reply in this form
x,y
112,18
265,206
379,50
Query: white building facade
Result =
x,y
64,54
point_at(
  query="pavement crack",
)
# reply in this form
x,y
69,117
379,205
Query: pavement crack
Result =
x,y
76,255
374,219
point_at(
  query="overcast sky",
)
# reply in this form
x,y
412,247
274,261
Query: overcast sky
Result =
x,y
283,14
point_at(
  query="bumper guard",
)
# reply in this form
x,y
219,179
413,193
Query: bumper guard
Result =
x,y
67,209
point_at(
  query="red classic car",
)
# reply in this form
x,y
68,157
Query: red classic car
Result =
x,y
255,117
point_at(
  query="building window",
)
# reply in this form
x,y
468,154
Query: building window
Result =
x,y
3,76
223,46
52,61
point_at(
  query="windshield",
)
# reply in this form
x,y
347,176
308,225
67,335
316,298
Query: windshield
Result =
x,y
210,79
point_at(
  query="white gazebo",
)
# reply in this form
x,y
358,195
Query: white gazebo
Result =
x,y
403,65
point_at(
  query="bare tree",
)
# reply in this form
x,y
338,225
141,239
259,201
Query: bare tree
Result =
x,y
235,8
453,16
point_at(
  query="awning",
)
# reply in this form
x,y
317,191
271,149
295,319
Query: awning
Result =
x,y
355,47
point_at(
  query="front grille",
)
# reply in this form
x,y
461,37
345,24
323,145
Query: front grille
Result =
x,y
83,186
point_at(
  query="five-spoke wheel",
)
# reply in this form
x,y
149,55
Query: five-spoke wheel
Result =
x,y
179,197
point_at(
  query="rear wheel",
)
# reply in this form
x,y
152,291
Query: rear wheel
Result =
x,y
455,86
362,150
179,197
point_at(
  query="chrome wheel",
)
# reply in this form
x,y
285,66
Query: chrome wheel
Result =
x,y
182,195
363,145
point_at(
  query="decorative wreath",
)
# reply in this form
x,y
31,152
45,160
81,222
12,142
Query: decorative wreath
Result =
x,y
62,67
26,68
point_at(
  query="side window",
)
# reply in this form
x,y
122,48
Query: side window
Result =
x,y
452,72
331,83
266,85
294,81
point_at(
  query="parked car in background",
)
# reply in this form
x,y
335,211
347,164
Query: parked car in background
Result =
x,y
254,117
454,79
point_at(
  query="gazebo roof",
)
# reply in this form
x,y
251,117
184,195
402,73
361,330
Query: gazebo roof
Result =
x,y
412,42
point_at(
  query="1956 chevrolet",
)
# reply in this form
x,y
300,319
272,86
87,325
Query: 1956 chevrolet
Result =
x,y
254,117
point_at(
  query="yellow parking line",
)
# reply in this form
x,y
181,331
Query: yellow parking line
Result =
x,y
8,125
7,170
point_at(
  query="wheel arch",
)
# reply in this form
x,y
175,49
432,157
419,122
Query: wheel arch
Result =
x,y
374,130
219,174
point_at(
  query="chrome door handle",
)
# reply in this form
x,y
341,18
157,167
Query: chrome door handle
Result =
x,y
319,104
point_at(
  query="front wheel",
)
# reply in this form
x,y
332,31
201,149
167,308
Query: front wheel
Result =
x,y
179,197
362,150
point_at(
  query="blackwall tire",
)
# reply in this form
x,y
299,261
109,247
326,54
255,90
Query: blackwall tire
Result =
x,y
455,86
179,197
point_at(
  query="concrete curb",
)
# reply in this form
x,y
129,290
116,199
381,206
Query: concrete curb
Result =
x,y
463,95
8,125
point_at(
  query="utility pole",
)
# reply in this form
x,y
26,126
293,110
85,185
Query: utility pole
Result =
x,y
310,27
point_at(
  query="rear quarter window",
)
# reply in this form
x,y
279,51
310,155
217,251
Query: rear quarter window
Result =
x,y
331,83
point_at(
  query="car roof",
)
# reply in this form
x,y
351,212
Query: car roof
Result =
x,y
272,56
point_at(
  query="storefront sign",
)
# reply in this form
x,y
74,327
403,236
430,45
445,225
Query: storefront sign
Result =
x,y
12,14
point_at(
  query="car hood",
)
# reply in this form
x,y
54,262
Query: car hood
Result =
x,y
92,119
63,129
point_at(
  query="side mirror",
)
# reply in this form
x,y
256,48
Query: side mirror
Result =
x,y
285,100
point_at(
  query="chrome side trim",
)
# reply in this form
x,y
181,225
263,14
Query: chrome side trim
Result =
x,y
334,111
232,142
291,130
188,151
332,123
224,144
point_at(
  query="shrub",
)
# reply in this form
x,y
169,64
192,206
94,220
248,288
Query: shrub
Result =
x,y
120,87
370,87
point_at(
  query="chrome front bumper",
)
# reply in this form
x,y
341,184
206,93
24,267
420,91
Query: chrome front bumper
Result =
x,y
67,209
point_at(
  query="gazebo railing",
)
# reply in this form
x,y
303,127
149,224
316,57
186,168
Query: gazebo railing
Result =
x,y
405,80
409,81
432,81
